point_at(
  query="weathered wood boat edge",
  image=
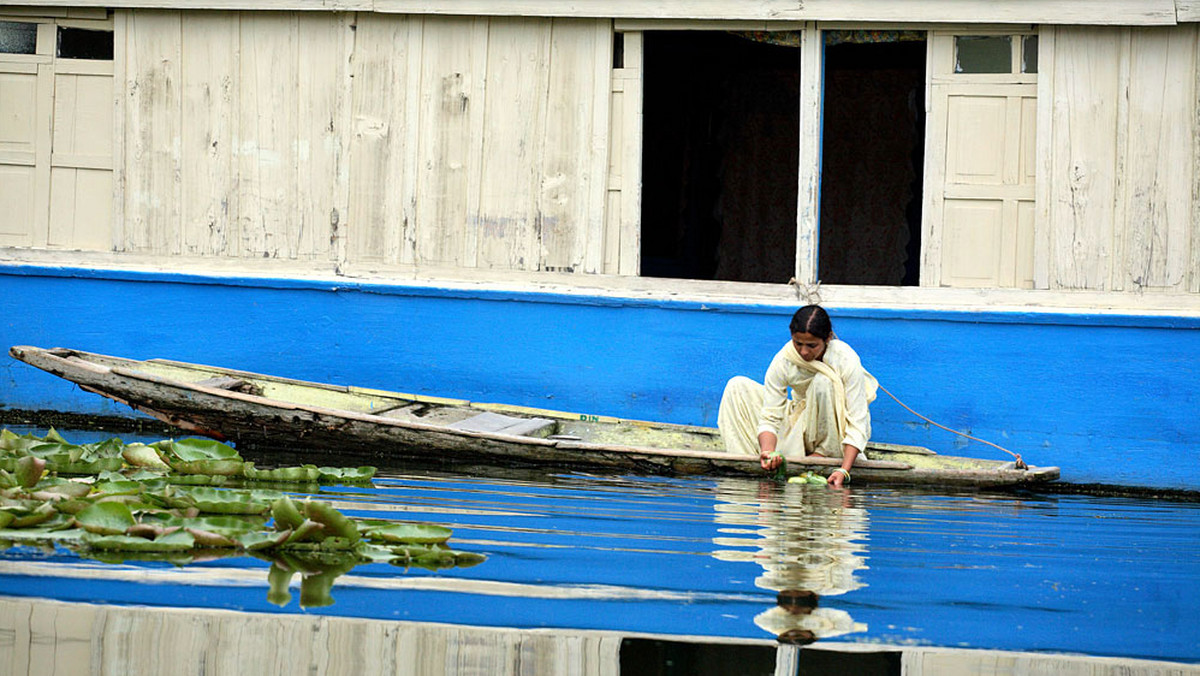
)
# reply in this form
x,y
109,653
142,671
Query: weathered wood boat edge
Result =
x,y
264,423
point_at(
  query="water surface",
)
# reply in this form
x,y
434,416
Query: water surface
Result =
x,y
736,561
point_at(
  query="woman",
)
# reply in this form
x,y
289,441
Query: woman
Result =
x,y
828,413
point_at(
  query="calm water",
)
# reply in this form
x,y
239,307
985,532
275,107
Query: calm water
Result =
x,y
735,561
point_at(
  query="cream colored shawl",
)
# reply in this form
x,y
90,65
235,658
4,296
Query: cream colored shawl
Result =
x,y
839,370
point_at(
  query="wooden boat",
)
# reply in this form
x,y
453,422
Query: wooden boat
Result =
x,y
266,412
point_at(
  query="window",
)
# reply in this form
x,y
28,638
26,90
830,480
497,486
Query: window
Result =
x,y
18,37
80,43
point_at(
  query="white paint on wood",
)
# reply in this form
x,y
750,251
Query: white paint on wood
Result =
x,y
1187,10
452,84
1084,157
267,120
19,125
632,81
514,137
1159,164
808,190
1117,12
44,146
117,208
598,147
386,72
1194,283
81,160
210,101
566,213
323,69
153,162
1043,144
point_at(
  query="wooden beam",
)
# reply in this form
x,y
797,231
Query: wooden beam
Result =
x,y
1078,12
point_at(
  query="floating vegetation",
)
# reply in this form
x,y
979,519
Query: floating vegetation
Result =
x,y
168,501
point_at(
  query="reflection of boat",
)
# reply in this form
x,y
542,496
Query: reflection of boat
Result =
x,y
270,411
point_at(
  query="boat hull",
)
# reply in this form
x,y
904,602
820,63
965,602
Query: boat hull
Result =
x,y
190,397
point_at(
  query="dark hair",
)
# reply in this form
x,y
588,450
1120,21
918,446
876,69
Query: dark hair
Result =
x,y
813,320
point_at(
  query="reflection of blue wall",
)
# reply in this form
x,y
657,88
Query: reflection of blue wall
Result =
x,y
1111,399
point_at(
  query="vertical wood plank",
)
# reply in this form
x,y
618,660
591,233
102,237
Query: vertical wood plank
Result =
x,y
449,96
120,96
152,161
630,238
477,113
514,133
563,208
808,190
1194,282
1084,156
1042,182
383,53
267,125
322,72
43,149
1116,271
939,49
1161,107
597,197
616,159
209,65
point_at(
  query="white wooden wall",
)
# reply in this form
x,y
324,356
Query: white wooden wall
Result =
x,y
509,143
1120,160
389,140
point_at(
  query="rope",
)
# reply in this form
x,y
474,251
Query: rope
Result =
x,y
1020,464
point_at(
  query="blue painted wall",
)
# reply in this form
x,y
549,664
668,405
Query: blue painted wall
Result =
x,y
1111,399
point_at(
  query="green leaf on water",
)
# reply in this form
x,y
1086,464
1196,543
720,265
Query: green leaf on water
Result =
x,y
346,474
106,518
179,541
336,524
417,533
30,470
301,474
142,455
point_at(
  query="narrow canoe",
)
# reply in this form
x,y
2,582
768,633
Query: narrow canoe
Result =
x,y
265,412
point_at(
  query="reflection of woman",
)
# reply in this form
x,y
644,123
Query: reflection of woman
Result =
x,y
828,414
809,543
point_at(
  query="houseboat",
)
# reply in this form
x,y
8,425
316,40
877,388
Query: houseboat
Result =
x,y
616,206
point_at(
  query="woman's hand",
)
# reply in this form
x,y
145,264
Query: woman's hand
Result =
x,y
770,461
841,475
768,455
836,478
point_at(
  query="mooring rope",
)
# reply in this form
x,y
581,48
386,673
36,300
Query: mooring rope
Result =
x,y
1020,464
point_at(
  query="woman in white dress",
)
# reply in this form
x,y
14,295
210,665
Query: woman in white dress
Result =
x,y
827,413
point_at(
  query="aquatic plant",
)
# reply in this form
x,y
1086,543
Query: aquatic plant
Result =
x,y
136,505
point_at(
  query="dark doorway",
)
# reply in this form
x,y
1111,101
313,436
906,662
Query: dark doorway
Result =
x,y
720,153
872,162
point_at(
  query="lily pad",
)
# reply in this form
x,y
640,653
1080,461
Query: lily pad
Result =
x,y
200,456
142,455
301,474
106,518
287,514
346,474
416,533
26,515
256,540
219,500
178,541
336,524
29,470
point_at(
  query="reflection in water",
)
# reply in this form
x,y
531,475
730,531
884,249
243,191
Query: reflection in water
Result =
x,y
809,540
39,637
574,560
